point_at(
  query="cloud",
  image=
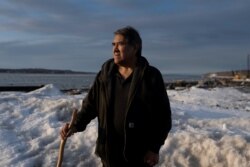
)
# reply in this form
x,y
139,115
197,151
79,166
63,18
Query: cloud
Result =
x,y
205,27
173,32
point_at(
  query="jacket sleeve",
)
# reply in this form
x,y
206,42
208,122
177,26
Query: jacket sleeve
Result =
x,y
162,121
88,109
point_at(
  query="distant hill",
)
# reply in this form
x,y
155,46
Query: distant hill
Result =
x,y
41,71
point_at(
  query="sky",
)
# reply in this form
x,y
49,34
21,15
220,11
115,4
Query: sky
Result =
x,y
179,36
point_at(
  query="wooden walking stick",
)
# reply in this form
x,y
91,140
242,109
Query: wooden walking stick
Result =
x,y
63,141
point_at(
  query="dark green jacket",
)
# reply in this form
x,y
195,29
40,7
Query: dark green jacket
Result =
x,y
148,114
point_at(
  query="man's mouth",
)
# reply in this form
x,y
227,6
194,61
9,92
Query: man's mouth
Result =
x,y
116,53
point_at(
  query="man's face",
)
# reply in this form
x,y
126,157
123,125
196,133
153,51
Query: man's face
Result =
x,y
123,53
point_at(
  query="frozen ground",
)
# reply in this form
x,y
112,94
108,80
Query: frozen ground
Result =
x,y
210,128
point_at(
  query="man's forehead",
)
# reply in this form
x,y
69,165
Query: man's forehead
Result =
x,y
119,38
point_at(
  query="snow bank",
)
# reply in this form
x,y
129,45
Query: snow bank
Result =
x,y
210,128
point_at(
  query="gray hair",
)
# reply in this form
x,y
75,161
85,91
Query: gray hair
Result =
x,y
132,36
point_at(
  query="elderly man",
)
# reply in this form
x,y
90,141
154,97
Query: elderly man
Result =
x,y
129,99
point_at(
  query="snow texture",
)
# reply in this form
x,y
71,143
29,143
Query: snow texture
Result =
x,y
210,128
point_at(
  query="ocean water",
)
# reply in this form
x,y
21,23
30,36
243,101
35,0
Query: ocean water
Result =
x,y
62,81
186,77
68,81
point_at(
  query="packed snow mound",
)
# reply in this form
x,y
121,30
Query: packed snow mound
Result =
x,y
203,133
47,90
227,98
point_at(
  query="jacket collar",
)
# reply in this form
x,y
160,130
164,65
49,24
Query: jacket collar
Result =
x,y
139,70
108,73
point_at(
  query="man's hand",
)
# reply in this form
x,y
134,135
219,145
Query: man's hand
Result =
x,y
151,158
66,132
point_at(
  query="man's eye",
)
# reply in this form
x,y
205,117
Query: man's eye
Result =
x,y
118,43
121,43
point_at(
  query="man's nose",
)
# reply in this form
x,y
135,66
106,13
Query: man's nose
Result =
x,y
115,46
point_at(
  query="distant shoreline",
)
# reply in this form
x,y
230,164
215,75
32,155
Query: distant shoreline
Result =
x,y
76,81
40,71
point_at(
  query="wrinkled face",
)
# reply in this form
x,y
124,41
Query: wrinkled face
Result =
x,y
123,53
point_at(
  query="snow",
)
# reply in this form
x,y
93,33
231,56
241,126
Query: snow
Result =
x,y
210,128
